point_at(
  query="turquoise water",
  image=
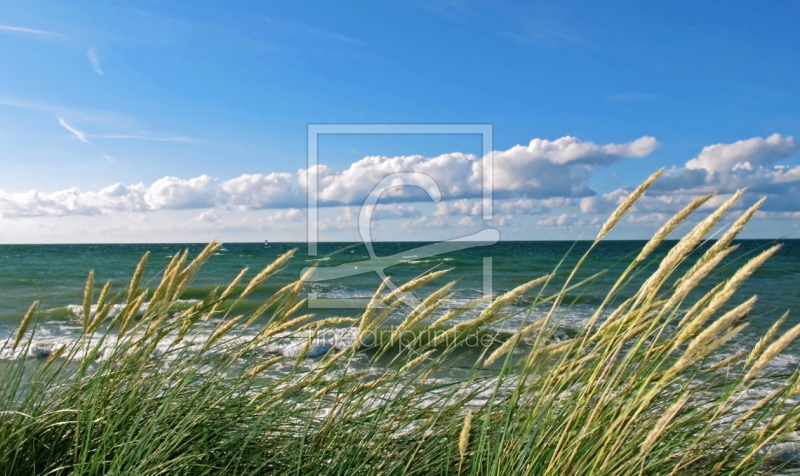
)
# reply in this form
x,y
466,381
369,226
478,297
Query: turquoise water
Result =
x,y
55,275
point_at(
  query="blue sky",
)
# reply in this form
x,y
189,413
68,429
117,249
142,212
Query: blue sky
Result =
x,y
186,121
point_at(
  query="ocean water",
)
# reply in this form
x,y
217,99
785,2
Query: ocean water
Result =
x,y
55,276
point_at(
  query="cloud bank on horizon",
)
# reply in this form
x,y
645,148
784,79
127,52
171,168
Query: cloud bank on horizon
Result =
x,y
541,170
543,177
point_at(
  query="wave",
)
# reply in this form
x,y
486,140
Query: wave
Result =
x,y
318,260
77,310
50,338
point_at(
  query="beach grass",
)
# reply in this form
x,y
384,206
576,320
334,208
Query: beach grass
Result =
x,y
647,386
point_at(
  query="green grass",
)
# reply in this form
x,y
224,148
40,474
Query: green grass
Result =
x,y
645,387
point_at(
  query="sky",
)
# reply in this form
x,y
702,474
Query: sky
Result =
x,y
159,121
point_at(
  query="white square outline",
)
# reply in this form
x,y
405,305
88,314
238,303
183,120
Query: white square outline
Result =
x,y
312,185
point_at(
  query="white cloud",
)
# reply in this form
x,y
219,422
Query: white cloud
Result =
x,y
564,219
650,218
424,223
724,168
529,206
750,163
459,207
452,173
505,210
174,193
115,198
164,194
255,191
745,155
720,168
466,221
392,211
347,220
91,54
559,168
287,216
209,216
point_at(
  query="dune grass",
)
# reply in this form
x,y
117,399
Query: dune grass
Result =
x,y
647,386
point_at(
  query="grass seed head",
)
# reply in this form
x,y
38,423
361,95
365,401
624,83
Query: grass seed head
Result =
x,y
766,339
23,325
87,299
463,440
268,271
670,226
772,351
626,205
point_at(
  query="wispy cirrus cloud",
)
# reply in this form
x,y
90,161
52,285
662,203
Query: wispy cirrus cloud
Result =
x,y
93,116
91,54
107,120
307,31
189,140
30,31
80,135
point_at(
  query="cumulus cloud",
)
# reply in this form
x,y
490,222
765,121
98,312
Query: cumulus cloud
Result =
x,y
289,216
751,163
559,168
501,207
393,211
208,216
168,193
114,198
425,222
744,155
347,220
564,219
254,191
459,207
173,193
454,174
529,206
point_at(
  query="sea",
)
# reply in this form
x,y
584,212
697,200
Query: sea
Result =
x,y
347,274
